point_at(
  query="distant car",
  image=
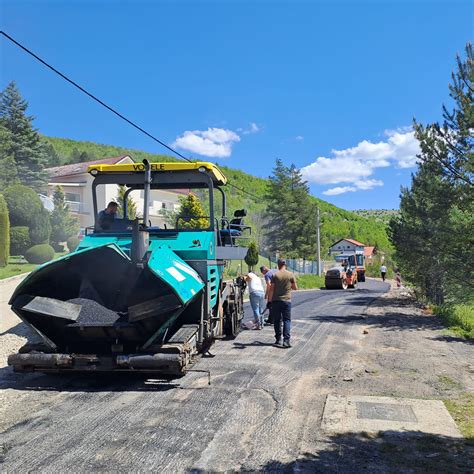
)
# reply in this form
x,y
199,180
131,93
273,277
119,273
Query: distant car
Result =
x,y
340,278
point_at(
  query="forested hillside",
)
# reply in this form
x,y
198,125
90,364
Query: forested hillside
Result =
x,y
380,215
336,223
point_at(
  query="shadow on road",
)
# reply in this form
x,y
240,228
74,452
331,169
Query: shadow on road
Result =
x,y
84,382
388,451
241,345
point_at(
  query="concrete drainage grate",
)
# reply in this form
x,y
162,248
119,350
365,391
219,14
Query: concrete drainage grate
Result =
x,y
371,414
385,411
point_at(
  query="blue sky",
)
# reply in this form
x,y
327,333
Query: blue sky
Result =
x,y
329,86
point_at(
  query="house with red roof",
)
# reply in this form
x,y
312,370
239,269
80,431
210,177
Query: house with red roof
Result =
x,y
76,183
346,246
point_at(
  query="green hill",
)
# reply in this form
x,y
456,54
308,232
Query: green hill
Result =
x,y
379,215
336,222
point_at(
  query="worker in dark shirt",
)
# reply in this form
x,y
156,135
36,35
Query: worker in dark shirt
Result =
x,y
279,294
107,216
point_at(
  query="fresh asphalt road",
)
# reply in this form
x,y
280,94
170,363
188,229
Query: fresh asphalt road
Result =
x,y
262,409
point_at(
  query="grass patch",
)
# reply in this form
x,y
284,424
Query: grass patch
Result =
x,y
458,318
306,282
462,410
449,383
18,266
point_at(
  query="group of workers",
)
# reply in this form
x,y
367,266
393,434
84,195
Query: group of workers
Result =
x,y
276,297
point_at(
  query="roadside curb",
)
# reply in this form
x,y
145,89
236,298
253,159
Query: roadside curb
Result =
x,y
13,278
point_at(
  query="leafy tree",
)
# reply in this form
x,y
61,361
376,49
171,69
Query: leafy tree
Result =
x,y
63,225
191,214
251,259
23,204
4,233
434,234
131,205
25,142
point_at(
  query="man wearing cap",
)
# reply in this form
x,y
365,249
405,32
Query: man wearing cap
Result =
x,y
279,295
267,275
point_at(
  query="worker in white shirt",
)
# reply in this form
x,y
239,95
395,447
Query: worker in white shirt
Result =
x,y
257,298
383,271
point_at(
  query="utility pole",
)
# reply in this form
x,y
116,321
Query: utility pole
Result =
x,y
318,223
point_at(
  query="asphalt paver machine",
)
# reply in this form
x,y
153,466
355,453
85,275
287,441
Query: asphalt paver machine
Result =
x,y
137,296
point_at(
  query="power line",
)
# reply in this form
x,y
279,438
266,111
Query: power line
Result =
x,y
92,96
244,191
108,107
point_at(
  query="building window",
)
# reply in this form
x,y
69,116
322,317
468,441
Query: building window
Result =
x,y
73,197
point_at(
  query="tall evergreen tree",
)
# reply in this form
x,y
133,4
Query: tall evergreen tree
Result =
x,y
191,214
131,205
434,234
63,225
26,147
52,157
290,213
9,174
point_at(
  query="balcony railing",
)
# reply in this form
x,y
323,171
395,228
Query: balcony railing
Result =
x,y
74,206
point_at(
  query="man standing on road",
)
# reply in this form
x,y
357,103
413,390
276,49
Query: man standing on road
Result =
x,y
279,295
383,271
267,274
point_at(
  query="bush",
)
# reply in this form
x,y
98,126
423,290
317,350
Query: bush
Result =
x,y
73,243
4,232
20,240
39,254
40,228
251,259
23,204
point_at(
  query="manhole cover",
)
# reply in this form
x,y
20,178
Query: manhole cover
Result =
x,y
385,411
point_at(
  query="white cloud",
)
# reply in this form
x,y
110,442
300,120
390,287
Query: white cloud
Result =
x,y
339,190
356,164
359,185
213,142
252,128
299,138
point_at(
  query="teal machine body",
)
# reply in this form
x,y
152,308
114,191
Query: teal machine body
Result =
x,y
135,296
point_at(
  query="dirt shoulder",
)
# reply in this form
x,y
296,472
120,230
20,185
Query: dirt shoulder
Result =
x,y
404,352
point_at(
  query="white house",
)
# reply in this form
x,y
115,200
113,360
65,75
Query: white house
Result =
x,y
76,183
346,245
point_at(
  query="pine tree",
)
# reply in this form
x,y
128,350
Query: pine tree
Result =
x,y
290,213
63,225
434,233
26,147
52,157
191,214
9,173
131,205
